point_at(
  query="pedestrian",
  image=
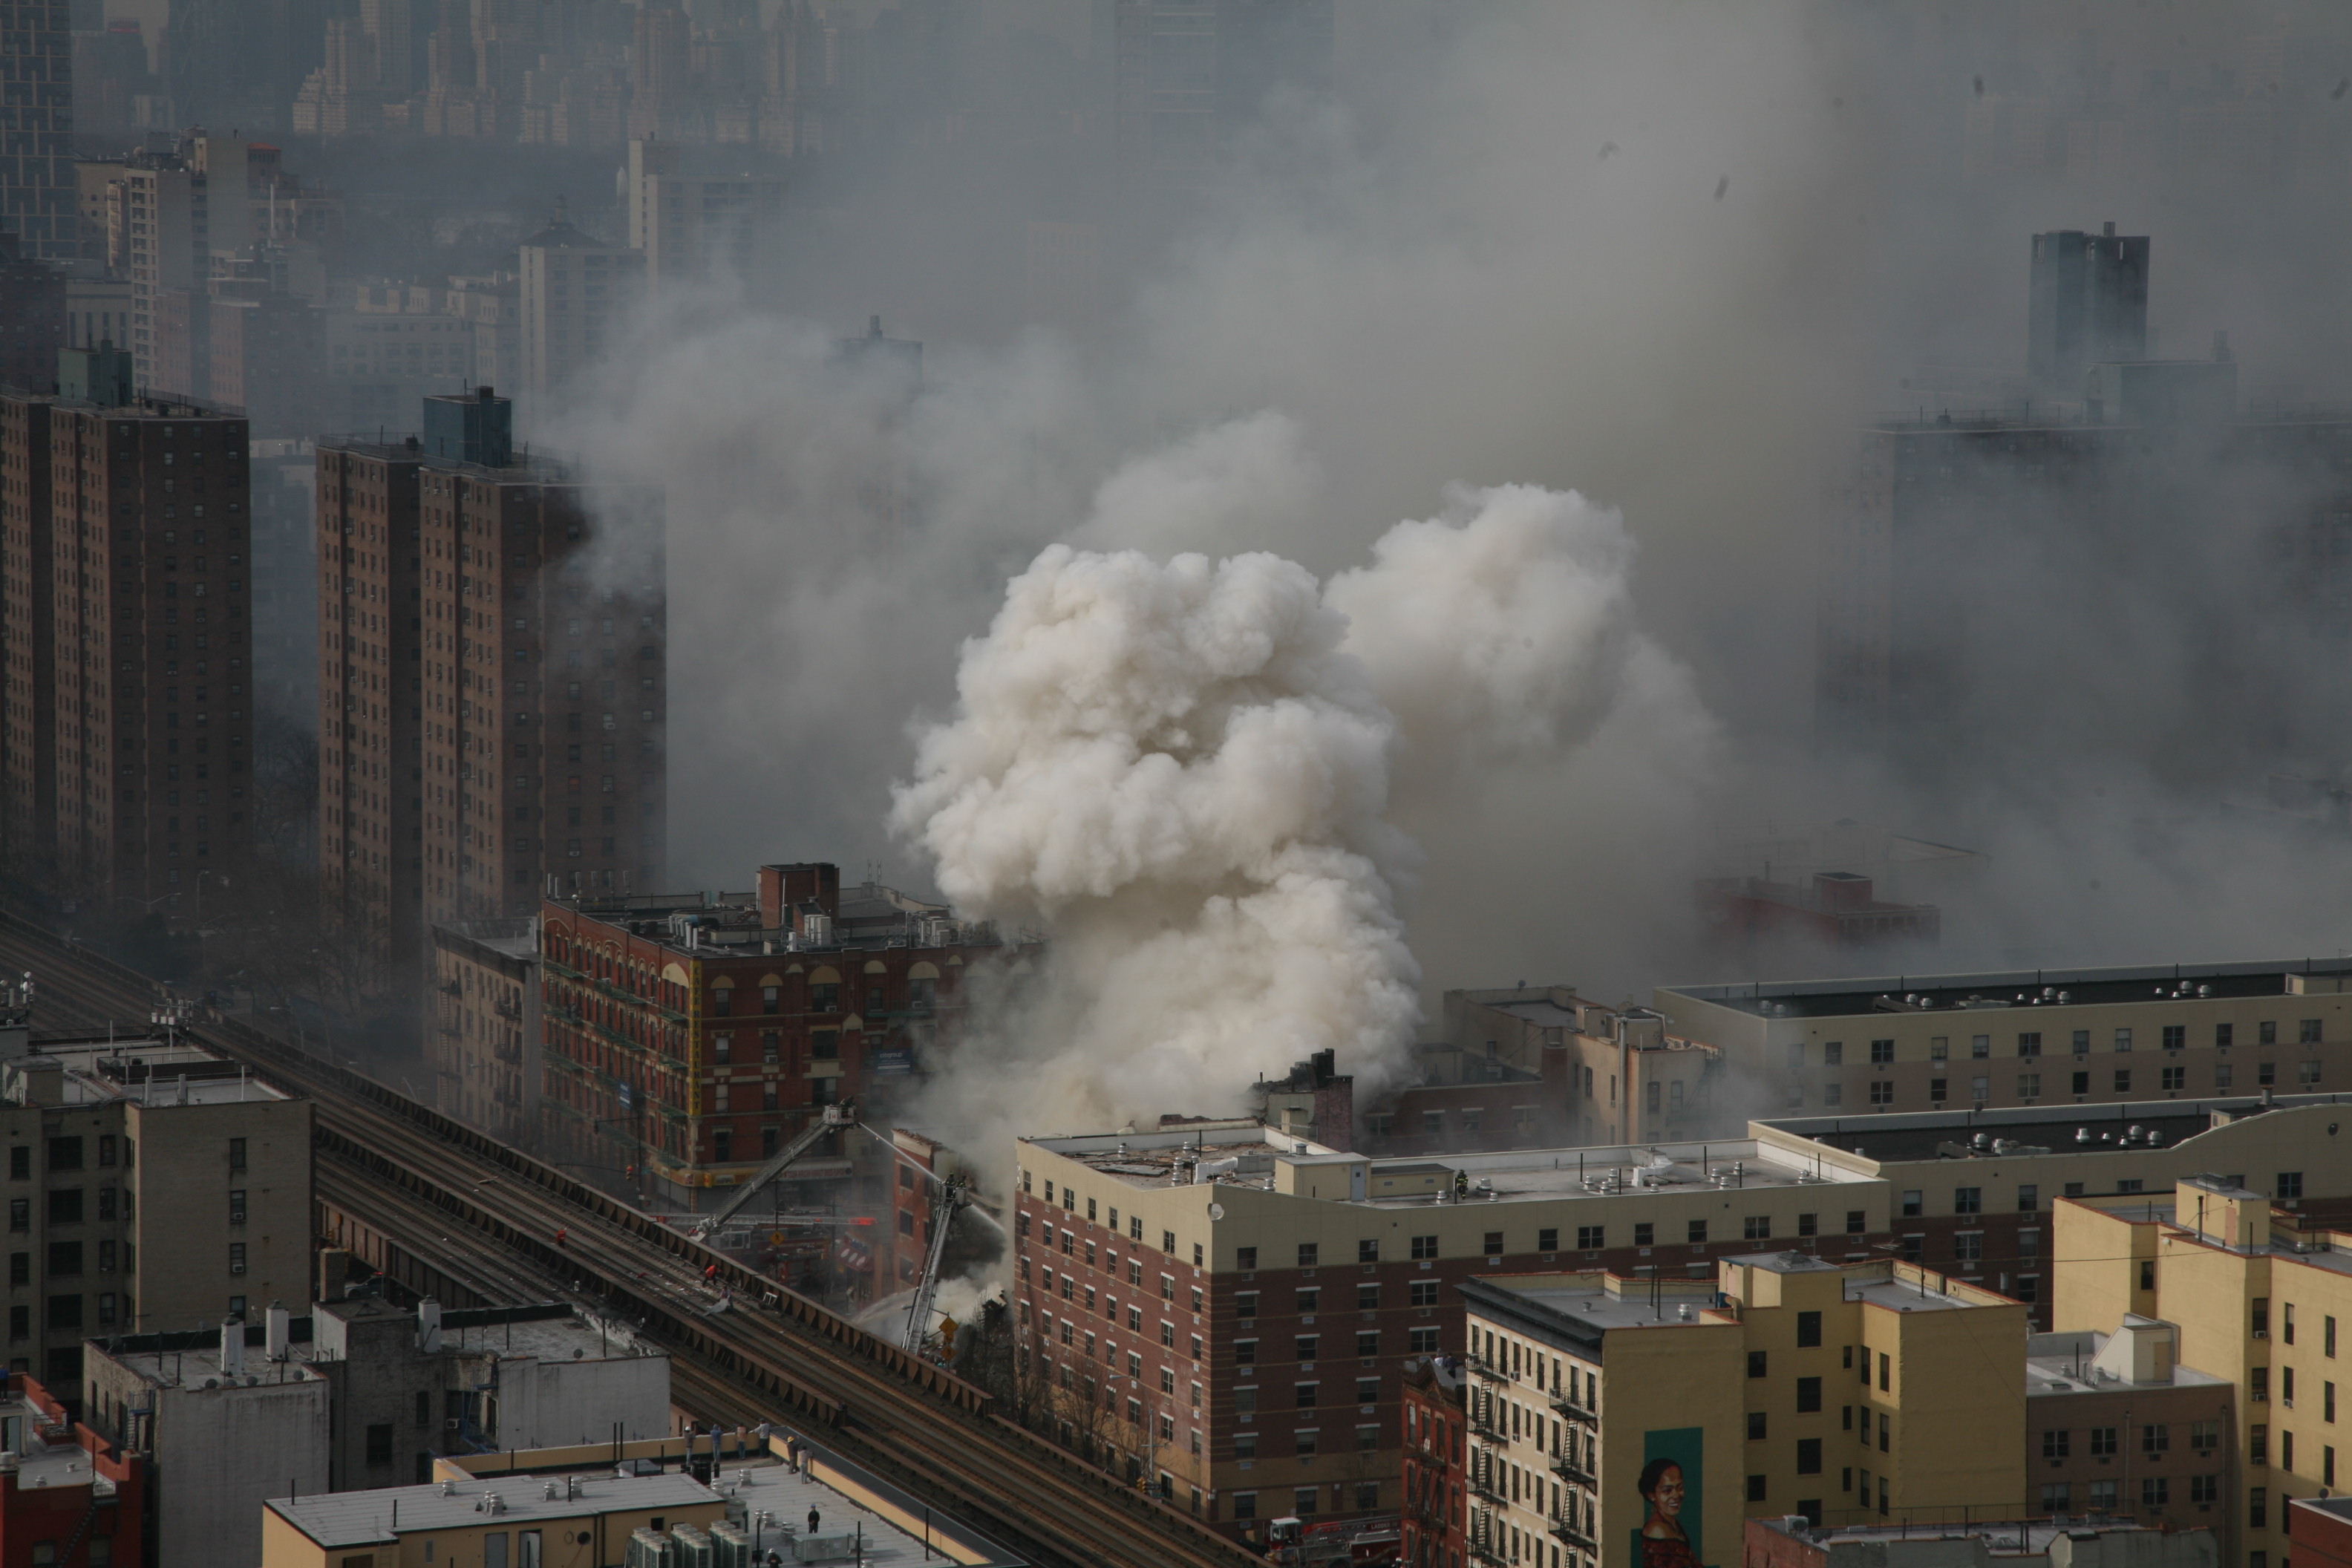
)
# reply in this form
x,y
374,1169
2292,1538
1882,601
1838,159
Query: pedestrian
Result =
x,y
710,1274
561,1232
812,1520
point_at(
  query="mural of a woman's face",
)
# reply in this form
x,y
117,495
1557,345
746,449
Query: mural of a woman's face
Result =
x,y
1668,1499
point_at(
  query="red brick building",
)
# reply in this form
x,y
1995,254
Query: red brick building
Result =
x,y
689,1038
75,1501
2321,1528
124,639
1436,1424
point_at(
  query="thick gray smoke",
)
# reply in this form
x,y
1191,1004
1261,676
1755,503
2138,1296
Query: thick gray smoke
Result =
x,y
1669,256
1183,772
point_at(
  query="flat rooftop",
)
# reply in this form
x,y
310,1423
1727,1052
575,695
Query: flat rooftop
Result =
x,y
367,1518
94,1069
2060,1363
1602,1300
867,917
1239,1154
2123,1128
47,1464
2019,1538
2006,990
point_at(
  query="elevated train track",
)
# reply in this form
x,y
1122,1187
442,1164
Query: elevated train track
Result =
x,y
436,1184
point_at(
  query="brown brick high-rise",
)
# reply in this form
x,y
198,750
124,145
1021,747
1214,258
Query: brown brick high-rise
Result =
x,y
491,700
125,643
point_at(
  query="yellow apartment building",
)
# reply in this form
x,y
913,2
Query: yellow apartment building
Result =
x,y
1608,1412
2259,1285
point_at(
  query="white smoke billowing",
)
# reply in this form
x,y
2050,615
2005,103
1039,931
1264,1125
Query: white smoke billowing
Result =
x,y
1183,771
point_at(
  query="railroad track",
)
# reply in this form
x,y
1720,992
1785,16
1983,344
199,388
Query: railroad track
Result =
x,y
773,1356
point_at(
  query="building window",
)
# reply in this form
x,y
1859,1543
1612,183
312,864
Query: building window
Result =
x,y
236,1154
1808,1396
2289,1186
2309,1033
1697,1232
1589,1237
2057,1443
2029,1086
1757,1227
2176,1036
237,1258
1882,1052
1882,1092
1808,1456
1808,1328
2154,1492
1967,1200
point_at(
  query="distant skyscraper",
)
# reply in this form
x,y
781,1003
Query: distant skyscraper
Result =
x,y
2089,303
37,189
1191,75
574,288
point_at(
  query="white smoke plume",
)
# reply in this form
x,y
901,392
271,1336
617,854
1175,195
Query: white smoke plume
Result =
x,y
1183,772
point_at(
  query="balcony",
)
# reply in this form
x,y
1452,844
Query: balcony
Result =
x,y
1571,1532
1485,1552
1573,1470
1487,1369
1485,1487
1575,1412
1481,1425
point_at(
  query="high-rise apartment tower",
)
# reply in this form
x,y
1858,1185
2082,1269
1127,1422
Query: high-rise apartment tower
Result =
x,y
491,690
126,639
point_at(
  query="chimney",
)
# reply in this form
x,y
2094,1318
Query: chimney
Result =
x,y
232,1348
428,1326
278,1336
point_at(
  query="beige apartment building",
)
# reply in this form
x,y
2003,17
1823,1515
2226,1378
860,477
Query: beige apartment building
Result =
x,y
151,1186
482,1035
1786,1385
2087,1036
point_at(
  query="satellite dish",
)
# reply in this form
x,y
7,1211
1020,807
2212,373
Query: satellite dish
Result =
x,y
1217,1211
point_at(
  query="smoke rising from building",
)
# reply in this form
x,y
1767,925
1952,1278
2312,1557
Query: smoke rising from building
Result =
x,y
1183,772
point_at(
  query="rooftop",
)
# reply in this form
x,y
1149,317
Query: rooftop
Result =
x,y
2029,1537
1602,1300
2092,1361
46,1453
526,469
93,1069
516,937
1242,1153
380,1516
2128,1127
724,924
2024,990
